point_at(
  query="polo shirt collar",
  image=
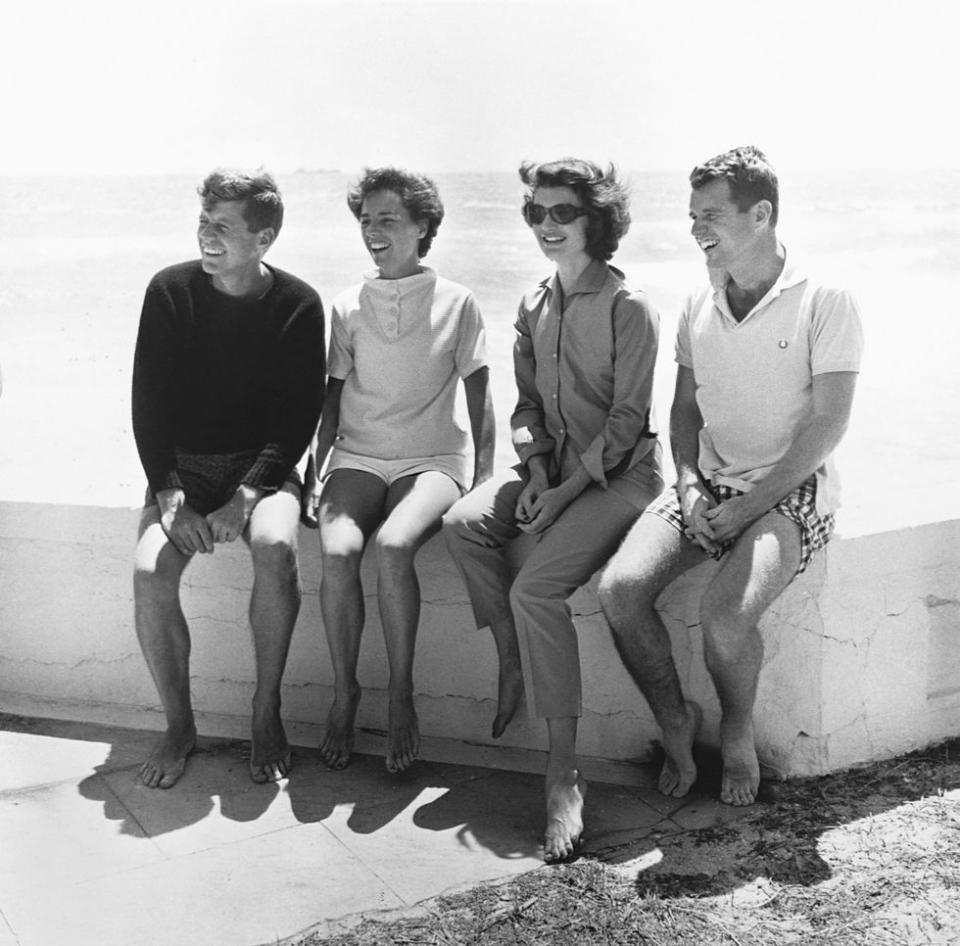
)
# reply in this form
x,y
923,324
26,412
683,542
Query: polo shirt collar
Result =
x,y
790,276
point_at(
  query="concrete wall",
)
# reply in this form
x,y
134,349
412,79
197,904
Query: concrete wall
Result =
x,y
862,651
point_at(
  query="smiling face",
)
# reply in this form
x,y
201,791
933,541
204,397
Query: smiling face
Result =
x,y
562,243
727,235
229,252
391,236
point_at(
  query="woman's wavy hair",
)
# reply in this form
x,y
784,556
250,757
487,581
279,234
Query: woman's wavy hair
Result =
x,y
603,194
417,193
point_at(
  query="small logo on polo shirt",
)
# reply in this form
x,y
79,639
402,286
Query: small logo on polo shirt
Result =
x,y
783,343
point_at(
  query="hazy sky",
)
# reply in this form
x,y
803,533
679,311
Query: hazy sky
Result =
x,y
463,84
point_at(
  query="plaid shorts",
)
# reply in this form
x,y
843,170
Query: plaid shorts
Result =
x,y
800,507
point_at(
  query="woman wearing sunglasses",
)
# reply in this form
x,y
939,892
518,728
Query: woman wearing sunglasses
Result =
x,y
400,343
590,462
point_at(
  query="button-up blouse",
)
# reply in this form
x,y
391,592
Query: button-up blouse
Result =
x,y
584,364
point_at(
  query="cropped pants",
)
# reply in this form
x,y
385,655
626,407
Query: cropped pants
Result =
x,y
584,536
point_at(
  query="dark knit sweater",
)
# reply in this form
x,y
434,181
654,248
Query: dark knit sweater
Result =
x,y
217,374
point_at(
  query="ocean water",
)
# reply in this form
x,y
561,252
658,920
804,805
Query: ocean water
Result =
x,y
77,254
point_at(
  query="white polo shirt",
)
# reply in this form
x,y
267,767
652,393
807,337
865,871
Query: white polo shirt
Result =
x,y
755,377
400,346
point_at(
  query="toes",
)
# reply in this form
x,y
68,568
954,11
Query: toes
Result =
x,y
336,757
558,848
169,779
273,771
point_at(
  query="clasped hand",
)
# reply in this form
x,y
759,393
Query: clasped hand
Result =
x,y
190,532
538,508
711,524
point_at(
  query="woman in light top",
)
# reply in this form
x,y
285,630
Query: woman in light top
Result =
x,y
400,342
590,462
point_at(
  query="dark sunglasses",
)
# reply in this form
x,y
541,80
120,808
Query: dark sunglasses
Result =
x,y
559,213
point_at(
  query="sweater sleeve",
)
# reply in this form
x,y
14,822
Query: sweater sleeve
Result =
x,y
297,397
156,387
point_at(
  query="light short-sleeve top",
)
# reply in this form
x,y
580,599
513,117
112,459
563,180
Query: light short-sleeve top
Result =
x,y
400,346
754,377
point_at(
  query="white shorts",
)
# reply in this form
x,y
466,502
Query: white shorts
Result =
x,y
452,464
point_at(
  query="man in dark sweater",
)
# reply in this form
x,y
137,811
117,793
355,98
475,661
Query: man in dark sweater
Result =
x,y
227,388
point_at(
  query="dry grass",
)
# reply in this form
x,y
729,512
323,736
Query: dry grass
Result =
x,y
870,856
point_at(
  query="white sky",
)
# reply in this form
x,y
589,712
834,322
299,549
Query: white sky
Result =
x,y
469,85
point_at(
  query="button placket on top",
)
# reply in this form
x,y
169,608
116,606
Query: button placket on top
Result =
x,y
561,427
388,314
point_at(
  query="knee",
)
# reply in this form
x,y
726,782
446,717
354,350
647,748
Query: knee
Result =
x,y
623,597
528,589
340,566
395,552
456,527
276,559
155,581
724,625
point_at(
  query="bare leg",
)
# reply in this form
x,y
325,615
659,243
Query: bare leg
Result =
x,y
350,510
165,642
510,678
274,606
565,790
415,505
758,568
651,556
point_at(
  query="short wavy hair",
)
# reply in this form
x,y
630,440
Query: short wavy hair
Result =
x,y
417,192
604,195
262,202
749,174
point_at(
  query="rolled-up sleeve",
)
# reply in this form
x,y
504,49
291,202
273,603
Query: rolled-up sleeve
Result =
x,y
527,424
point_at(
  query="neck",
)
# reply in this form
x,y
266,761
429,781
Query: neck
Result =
x,y
253,283
758,273
400,273
569,271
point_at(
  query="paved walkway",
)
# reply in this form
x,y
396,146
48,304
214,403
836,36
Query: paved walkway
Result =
x,y
88,855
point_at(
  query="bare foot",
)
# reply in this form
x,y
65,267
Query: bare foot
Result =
x,y
565,797
679,770
168,759
403,739
337,742
741,769
509,697
270,758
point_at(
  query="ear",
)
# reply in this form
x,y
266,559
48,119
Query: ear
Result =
x,y
422,227
762,212
265,238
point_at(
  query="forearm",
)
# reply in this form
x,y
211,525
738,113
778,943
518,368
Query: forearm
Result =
x,y
816,438
482,422
329,423
814,442
685,426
